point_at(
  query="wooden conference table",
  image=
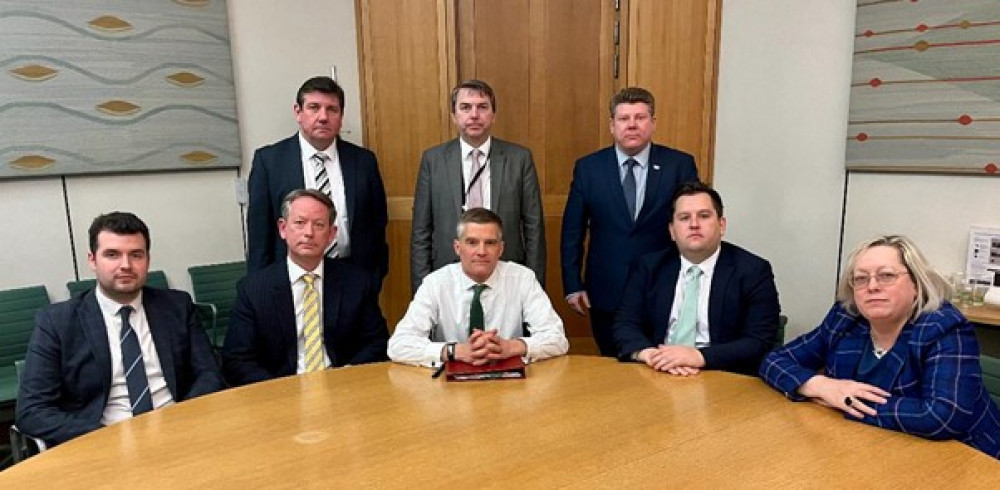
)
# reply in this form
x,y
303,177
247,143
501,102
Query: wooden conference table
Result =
x,y
576,421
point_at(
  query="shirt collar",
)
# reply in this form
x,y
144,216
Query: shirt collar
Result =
x,y
642,157
467,148
295,272
308,151
707,266
110,307
467,282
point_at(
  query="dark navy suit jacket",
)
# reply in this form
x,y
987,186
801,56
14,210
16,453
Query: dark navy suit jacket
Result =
x,y
261,340
742,308
936,385
277,170
67,370
596,203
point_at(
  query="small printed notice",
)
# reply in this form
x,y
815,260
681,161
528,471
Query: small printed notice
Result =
x,y
984,254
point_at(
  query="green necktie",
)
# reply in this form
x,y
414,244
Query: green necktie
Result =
x,y
476,321
687,320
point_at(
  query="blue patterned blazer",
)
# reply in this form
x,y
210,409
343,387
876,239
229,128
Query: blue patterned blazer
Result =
x,y
936,388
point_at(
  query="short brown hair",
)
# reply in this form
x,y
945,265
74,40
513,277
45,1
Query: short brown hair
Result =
x,y
479,216
476,86
632,95
324,199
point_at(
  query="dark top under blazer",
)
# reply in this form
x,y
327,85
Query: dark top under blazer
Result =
x,y
596,203
936,385
67,369
261,340
742,308
277,170
438,201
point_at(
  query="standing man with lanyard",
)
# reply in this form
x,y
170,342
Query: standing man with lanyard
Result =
x,y
317,158
475,170
621,196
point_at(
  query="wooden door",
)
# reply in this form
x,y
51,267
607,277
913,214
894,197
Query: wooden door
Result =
x,y
554,65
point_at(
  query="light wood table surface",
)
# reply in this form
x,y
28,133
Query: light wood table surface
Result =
x,y
985,315
578,421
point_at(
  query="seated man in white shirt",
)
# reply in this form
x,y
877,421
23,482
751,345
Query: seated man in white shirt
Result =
x,y
477,310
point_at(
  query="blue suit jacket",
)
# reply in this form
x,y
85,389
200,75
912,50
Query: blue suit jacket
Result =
x,y
742,308
277,170
937,387
596,203
67,370
261,342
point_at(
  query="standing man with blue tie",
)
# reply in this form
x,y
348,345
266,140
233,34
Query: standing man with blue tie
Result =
x,y
472,171
316,158
706,305
116,351
621,196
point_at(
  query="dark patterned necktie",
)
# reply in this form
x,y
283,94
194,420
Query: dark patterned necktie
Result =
x,y
135,369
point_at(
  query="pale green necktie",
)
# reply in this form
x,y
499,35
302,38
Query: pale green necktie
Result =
x,y
687,320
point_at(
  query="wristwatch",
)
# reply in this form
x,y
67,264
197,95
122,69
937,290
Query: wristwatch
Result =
x,y
449,350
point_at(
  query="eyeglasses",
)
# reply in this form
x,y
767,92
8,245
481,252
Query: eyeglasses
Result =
x,y
883,278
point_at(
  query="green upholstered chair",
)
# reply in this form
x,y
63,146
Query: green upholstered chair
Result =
x,y
22,446
780,339
991,376
17,320
214,287
155,279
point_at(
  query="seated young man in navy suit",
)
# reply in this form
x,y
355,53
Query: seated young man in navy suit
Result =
x,y
116,351
707,305
308,312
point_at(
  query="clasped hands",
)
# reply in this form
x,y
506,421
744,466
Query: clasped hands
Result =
x,y
486,345
678,360
853,397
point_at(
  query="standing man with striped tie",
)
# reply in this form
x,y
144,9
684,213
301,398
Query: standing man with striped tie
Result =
x,y
307,312
706,305
116,351
317,158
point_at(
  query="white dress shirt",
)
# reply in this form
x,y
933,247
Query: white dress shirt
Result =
x,y
119,407
467,172
439,313
641,171
295,274
702,336
336,175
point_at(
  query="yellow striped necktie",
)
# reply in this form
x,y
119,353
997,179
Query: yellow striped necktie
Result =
x,y
311,331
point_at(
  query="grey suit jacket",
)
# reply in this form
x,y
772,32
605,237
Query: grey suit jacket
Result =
x,y
437,205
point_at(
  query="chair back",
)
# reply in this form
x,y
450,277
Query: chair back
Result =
x,y
17,320
155,279
215,284
780,338
991,376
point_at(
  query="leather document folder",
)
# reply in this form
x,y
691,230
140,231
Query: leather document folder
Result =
x,y
510,368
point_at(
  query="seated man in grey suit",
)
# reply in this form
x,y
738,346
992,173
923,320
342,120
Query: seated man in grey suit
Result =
x,y
477,311
475,170
305,313
115,351
707,305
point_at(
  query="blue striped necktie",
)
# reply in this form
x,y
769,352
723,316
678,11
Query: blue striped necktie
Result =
x,y
135,369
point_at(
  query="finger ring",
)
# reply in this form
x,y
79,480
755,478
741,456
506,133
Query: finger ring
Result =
x,y
848,401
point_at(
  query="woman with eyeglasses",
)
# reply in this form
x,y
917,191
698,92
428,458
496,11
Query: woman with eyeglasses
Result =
x,y
893,352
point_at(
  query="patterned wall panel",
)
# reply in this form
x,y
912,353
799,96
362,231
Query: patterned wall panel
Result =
x,y
925,93
105,86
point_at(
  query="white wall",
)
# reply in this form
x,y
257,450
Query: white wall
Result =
x,y
782,124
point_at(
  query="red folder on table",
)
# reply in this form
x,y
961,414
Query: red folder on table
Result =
x,y
510,368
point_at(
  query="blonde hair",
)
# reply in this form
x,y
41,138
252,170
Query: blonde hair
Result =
x,y
932,289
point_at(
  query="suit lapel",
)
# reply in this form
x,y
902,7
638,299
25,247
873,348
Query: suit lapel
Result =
x,y
453,173
611,175
350,175
283,303
92,322
896,358
721,276
653,178
498,173
332,295
665,299
160,329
